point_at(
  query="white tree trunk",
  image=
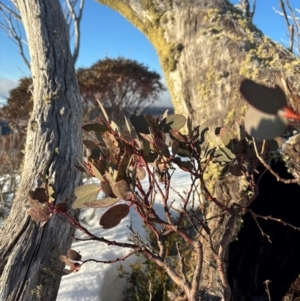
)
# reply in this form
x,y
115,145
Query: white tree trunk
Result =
x,y
29,265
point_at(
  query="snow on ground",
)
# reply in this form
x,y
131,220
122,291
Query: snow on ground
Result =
x,y
7,182
98,281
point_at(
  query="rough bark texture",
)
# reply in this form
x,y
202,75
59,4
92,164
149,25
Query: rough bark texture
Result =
x,y
29,265
205,49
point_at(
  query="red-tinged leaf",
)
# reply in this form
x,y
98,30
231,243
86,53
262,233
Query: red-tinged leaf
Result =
x,y
62,207
111,142
39,194
102,203
121,189
106,188
236,170
39,214
161,135
65,260
85,193
113,216
74,255
148,137
151,121
162,147
175,135
74,266
123,165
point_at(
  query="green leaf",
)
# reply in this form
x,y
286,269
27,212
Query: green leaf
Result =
x,y
113,216
96,172
85,193
173,122
102,109
185,165
96,127
223,155
226,135
275,144
183,151
264,126
90,144
263,98
102,203
140,124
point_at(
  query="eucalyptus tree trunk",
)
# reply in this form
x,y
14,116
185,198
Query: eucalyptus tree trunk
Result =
x,y
205,48
29,265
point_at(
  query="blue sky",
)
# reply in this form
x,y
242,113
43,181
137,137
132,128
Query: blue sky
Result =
x,y
107,33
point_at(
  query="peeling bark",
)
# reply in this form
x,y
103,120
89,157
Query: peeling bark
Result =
x,y
29,265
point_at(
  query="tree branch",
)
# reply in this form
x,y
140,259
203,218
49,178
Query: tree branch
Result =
x,y
12,30
76,20
289,26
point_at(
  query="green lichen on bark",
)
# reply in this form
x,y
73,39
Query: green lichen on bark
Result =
x,y
152,28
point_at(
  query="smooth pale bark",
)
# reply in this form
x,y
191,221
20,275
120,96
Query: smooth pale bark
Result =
x,y
29,265
205,48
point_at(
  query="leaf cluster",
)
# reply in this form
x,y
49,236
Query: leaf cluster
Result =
x,y
120,164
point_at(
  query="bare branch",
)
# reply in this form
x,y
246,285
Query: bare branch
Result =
x,y
296,23
110,261
10,11
11,26
246,8
267,166
76,22
289,26
12,19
